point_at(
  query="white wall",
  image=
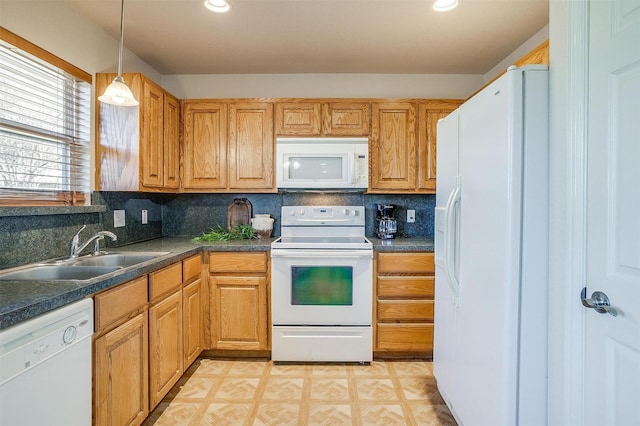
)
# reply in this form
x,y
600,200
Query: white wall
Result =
x,y
565,392
93,50
59,29
458,86
525,48
321,85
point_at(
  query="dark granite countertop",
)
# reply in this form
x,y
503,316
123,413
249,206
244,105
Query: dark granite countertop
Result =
x,y
403,244
23,300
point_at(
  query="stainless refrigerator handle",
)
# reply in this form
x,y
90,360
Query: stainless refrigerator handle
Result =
x,y
598,301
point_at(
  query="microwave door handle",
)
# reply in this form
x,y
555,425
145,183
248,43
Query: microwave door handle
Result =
x,y
353,170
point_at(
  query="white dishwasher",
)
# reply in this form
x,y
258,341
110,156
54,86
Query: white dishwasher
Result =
x,y
45,369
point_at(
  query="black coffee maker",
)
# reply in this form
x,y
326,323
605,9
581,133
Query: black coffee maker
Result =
x,y
386,224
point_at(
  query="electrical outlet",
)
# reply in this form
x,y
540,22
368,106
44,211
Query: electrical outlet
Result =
x,y
118,218
145,218
411,216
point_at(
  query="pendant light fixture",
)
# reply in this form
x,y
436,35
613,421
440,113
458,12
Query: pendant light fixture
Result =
x,y
118,93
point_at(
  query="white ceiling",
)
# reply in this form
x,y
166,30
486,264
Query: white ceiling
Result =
x,y
320,36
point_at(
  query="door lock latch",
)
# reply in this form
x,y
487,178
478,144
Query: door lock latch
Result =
x,y
598,301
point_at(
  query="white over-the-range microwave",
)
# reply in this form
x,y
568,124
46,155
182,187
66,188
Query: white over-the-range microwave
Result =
x,y
322,163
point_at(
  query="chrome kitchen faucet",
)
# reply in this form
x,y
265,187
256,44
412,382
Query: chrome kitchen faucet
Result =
x,y
75,248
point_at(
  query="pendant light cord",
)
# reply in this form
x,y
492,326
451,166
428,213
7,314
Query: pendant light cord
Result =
x,y
121,38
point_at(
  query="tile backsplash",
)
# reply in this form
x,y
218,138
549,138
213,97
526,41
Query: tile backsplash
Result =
x,y
32,238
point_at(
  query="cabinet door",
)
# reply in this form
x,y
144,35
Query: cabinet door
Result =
x,y
171,142
429,114
152,110
121,381
118,138
298,118
393,146
238,313
192,300
346,119
251,146
165,346
205,146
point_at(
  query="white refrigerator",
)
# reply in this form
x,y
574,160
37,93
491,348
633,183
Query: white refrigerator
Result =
x,y
491,238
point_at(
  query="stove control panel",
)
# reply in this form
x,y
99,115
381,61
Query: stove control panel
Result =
x,y
322,215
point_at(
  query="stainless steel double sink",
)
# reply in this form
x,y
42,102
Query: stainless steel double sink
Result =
x,y
81,268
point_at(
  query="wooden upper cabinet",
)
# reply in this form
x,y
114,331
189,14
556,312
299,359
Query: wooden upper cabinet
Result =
x,y
137,149
321,117
205,145
298,118
151,145
228,146
393,147
346,118
171,142
251,146
429,113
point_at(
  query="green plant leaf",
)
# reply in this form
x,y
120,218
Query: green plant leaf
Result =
x,y
220,233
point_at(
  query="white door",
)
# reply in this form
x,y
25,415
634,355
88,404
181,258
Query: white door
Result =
x,y
612,374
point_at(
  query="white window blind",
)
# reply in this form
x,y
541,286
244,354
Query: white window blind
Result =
x,y
44,131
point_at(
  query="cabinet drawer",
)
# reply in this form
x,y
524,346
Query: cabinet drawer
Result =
x,y
118,302
405,286
191,268
405,337
165,280
234,262
409,263
405,310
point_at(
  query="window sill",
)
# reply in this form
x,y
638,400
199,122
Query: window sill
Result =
x,y
46,210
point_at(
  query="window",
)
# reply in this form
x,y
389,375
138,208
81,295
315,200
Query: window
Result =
x,y
44,126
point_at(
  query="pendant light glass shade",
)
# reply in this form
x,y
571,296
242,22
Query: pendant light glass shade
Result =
x,y
117,93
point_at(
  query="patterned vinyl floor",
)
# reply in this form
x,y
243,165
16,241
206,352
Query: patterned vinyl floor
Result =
x,y
238,392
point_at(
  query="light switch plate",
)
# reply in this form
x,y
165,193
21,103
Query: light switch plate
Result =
x,y
118,218
411,216
145,218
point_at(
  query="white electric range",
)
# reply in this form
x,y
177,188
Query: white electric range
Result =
x,y
322,286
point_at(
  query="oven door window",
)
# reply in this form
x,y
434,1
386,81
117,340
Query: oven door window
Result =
x,y
322,285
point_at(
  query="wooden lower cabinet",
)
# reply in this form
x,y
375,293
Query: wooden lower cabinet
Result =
x,y
239,313
146,336
238,300
165,346
121,355
121,381
404,307
192,314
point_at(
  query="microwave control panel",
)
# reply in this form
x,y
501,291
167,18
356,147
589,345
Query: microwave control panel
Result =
x,y
362,168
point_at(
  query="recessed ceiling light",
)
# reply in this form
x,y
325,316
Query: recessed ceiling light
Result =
x,y
218,6
444,5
